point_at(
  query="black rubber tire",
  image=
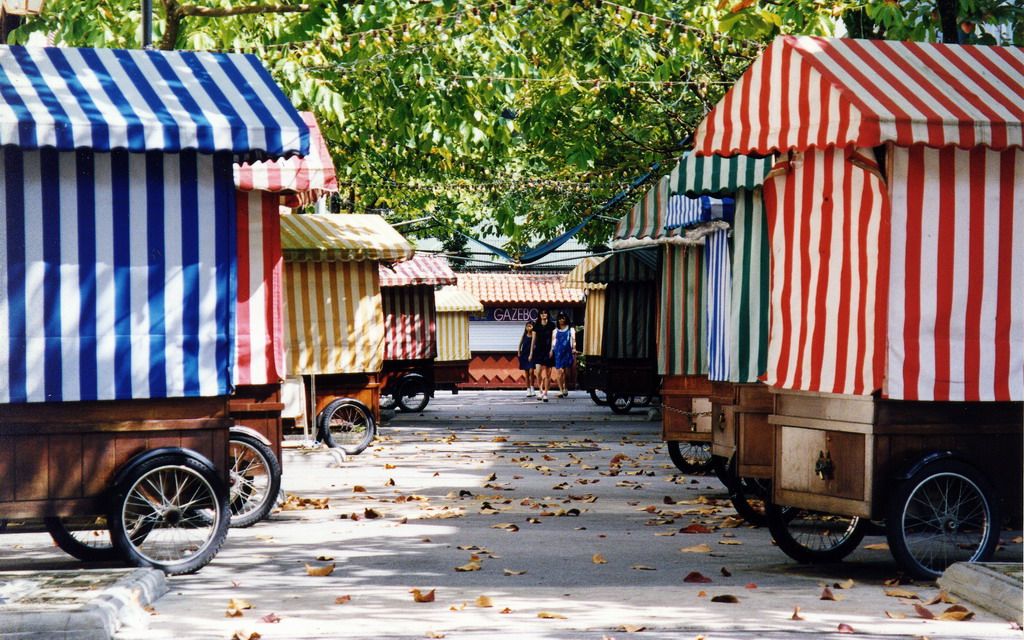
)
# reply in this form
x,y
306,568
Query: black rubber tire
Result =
x,y
750,498
599,397
413,395
255,479
947,512
84,537
722,467
690,457
812,537
345,424
620,403
177,538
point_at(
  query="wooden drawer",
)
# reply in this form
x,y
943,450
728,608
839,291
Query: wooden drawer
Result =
x,y
723,429
842,489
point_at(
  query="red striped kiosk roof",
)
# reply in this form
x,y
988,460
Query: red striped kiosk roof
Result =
x,y
420,270
815,92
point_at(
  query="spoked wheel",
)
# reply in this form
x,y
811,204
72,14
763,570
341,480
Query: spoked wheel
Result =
x,y
599,397
413,395
169,512
947,512
84,537
813,537
723,469
643,400
620,402
690,457
255,478
346,425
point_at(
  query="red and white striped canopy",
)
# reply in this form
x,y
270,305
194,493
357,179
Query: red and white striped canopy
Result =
x,y
420,269
817,92
299,180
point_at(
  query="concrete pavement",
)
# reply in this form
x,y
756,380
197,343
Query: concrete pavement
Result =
x,y
524,497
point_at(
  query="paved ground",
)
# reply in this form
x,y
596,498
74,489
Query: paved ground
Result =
x,y
523,495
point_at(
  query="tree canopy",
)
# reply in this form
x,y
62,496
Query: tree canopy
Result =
x,y
514,117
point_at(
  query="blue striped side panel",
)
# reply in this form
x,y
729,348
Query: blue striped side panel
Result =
x,y
117,275
719,279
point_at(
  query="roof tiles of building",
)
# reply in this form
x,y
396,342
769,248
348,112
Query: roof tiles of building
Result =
x,y
519,288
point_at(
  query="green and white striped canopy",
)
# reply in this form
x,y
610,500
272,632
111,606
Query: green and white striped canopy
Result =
x,y
717,176
640,265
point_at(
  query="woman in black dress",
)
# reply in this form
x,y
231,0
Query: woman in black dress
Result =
x,y
541,355
525,347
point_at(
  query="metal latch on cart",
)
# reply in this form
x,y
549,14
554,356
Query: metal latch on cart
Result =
x,y
824,467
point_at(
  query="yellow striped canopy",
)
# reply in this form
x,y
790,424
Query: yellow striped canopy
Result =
x,y
334,317
453,299
341,237
453,337
575,278
593,333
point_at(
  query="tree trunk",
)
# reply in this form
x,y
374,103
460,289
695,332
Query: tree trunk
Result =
x,y
948,22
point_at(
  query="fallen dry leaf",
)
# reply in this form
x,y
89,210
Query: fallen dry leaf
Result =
x,y
390,466
358,489
549,615
491,478
434,634
630,628
731,599
796,614
507,526
641,567
879,546
371,514
750,586
702,594
923,613
509,572
343,599
956,612
390,482
826,594
902,593
483,601
697,548
845,584
895,616
725,572
695,528
729,542
472,566
696,576
458,607
325,558
898,580
233,613
505,610
942,597
245,634
419,596
238,603
845,628
270,618
319,571
598,559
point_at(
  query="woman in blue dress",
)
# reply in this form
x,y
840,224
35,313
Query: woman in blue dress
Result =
x,y
563,350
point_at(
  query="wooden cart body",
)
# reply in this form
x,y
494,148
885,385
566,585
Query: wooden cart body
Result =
x,y
333,312
117,313
896,299
264,188
840,453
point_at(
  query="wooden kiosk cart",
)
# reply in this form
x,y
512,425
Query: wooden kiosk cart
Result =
x,y
255,438
896,351
334,319
451,367
626,367
678,225
736,267
118,303
593,330
410,328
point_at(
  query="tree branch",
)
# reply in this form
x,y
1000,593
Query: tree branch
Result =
x,y
176,13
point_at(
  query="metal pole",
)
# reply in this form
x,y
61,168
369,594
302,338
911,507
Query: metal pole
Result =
x,y
147,24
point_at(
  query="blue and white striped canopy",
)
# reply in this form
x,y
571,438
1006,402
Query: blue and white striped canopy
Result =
x,y
685,212
106,99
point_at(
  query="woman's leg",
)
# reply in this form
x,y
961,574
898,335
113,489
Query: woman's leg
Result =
x,y
544,373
